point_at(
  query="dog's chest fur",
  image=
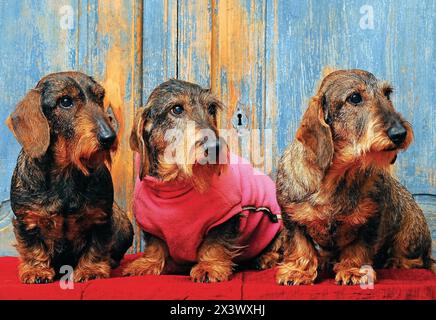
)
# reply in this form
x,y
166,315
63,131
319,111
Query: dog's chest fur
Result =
x,y
59,209
342,212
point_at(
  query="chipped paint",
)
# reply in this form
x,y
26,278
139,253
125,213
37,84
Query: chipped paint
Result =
x,y
237,48
194,41
237,58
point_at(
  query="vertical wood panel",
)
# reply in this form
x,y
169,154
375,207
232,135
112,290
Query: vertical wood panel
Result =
x,y
159,43
194,41
410,65
238,52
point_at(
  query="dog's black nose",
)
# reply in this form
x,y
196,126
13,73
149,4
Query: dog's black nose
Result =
x,y
397,133
217,146
213,149
106,136
212,146
106,139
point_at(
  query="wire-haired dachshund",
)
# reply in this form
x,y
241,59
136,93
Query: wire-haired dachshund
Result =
x,y
199,206
62,193
342,207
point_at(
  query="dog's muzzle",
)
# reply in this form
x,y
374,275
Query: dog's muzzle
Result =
x,y
397,133
213,148
106,135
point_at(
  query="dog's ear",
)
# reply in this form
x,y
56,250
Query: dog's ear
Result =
x,y
30,126
315,134
137,142
304,163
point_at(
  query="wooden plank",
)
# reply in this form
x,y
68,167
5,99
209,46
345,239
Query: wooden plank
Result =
x,y
237,74
88,52
194,41
159,43
410,65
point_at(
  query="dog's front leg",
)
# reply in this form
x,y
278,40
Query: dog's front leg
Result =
x,y
95,261
35,265
300,261
216,253
214,262
354,266
92,266
153,260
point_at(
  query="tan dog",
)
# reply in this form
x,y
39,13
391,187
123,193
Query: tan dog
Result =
x,y
203,216
340,203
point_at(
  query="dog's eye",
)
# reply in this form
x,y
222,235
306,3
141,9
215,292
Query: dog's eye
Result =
x,y
177,110
212,108
66,102
355,98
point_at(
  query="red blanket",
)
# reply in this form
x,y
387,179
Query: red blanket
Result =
x,y
392,284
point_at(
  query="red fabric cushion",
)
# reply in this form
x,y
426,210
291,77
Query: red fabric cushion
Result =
x,y
391,285
12,289
259,285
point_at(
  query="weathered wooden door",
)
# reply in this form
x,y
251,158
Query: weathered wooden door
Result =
x,y
263,58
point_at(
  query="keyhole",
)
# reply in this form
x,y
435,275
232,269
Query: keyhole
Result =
x,y
239,119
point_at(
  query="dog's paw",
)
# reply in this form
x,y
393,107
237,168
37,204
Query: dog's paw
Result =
x,y
91,272
144,266
353,276
267,261
37,275
290,275
211,272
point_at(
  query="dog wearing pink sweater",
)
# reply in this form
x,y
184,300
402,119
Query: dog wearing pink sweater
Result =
x,y
199,206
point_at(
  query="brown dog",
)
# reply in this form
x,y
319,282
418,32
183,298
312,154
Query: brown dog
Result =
x,y
341,205
62,193
206,216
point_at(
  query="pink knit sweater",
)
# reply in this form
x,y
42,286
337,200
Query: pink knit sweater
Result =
x,y
182,217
